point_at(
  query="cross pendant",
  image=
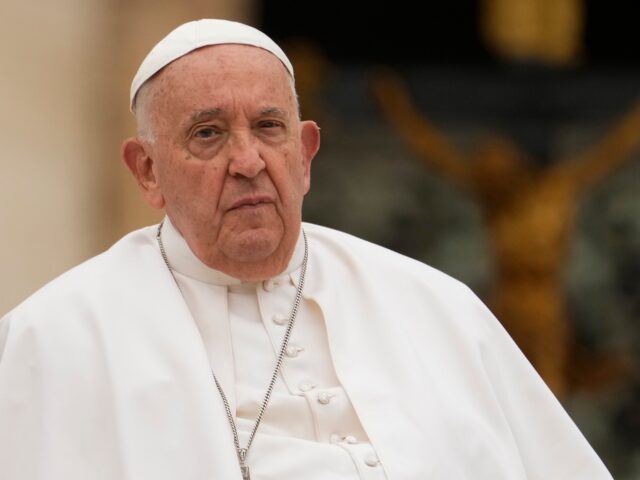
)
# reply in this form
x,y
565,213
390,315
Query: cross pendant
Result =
x,y
245,473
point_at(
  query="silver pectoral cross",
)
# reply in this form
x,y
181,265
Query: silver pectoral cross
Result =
x,y
245,472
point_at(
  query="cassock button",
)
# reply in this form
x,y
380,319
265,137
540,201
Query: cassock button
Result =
x,y
350,439
270,284
293,351
325,398
280,319
371,460
306,386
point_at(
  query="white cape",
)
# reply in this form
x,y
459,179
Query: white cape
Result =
x,y
103,375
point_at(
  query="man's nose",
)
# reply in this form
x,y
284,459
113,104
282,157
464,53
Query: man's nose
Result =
x,y
244,156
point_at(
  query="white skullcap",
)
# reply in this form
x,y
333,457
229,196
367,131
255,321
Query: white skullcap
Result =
x,y
200,33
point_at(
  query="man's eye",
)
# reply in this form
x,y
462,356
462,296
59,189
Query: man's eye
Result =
x,y
205,132
270,124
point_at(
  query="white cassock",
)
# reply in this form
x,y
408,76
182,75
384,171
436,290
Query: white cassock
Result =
x,y
395,371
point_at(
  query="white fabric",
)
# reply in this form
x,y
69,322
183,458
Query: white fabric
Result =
x,y
196,34
242,324
104,375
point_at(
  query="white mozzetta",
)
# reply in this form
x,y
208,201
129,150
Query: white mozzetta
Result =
x,y
104,375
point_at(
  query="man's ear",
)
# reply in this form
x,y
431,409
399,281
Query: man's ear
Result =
x,y
310,135
142,167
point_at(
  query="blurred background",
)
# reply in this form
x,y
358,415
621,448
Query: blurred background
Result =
x,y
497,140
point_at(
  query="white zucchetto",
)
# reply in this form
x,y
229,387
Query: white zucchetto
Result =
x,y
196,34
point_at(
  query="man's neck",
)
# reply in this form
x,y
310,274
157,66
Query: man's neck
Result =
x,y
184,261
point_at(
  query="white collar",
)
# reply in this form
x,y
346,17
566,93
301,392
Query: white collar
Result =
x,y
184,261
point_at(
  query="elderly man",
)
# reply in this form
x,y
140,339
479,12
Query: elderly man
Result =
x,y
233,341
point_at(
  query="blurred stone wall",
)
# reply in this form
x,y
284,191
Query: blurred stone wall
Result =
x,y
67,65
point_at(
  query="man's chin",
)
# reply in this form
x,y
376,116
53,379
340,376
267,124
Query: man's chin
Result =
x,y
254,244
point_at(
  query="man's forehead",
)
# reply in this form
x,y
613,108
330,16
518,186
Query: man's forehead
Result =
x,y
217,81
194,35
214,59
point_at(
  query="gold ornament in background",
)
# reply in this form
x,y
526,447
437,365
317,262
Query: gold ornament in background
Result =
x,y
543,31
529,212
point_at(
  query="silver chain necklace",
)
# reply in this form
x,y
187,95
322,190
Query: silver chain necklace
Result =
x,y
242,452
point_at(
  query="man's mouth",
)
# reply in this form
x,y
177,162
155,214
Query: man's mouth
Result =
x,y
251,202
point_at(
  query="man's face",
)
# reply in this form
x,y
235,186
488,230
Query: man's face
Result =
x,y
230,158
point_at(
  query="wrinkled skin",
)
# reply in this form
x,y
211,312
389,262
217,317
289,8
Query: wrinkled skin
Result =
x,y
227,157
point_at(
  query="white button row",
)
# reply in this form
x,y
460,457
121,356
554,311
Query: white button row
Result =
x,y
370,459
324,397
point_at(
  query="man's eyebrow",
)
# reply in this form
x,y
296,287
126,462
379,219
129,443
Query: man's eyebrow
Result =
x,y
209,113
216,112
273,112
